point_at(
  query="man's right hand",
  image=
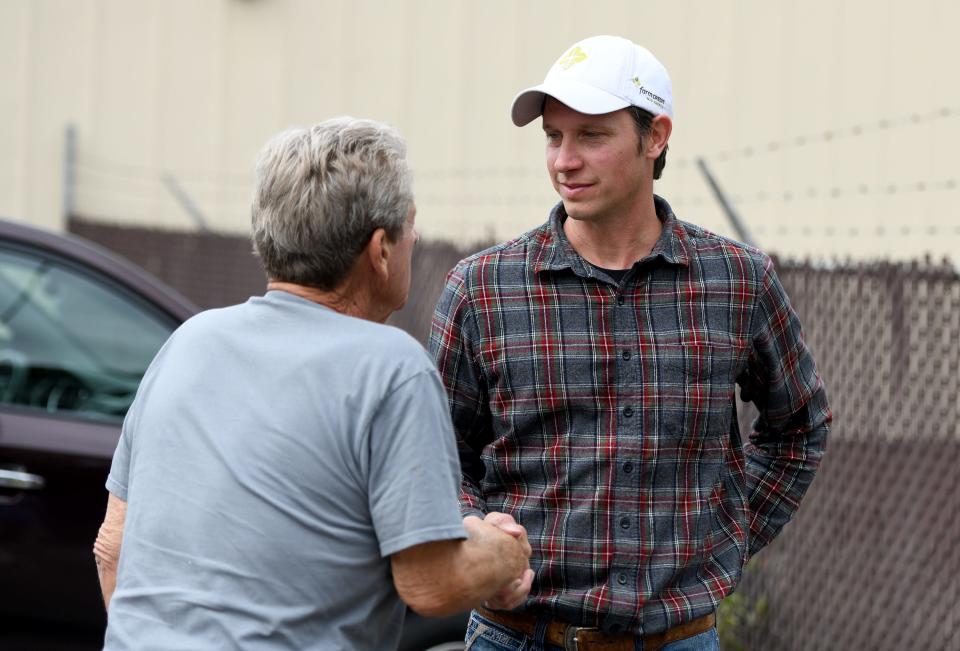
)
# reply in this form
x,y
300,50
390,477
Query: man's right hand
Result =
x,y
449,576
515,592
506,523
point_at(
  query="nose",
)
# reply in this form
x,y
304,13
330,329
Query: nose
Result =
x,y
566,156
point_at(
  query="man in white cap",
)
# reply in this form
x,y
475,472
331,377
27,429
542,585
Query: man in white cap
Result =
x,y
591,367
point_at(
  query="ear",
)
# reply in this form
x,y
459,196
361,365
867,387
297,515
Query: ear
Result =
x,y
378,252
660,130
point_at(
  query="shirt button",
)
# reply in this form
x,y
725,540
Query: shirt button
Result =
x,y
628,412
622,578
628,467
624,522
625,354
621,300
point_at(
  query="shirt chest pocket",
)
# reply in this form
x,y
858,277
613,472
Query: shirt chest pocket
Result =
x,y
696,384
549,376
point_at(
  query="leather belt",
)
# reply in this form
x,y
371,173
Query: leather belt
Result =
x,y
578,638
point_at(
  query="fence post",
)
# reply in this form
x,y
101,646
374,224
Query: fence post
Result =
x,y
69,173
739,226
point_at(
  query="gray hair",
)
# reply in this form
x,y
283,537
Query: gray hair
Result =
x,y
321,192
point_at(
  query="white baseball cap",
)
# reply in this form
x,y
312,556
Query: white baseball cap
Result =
x,y
600,74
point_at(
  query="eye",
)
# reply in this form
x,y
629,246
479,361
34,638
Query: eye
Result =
x,y
552,136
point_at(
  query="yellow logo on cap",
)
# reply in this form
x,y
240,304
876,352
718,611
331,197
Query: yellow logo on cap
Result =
x,y
573,57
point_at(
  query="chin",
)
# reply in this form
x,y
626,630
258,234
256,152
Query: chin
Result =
x,y
577,211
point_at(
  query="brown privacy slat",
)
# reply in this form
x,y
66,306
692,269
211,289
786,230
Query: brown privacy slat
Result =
x,y
212,270
871,561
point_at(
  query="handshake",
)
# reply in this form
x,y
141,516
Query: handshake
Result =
x,y
490,568
511,552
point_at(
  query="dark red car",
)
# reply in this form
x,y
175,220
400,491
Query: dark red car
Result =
x,y
78,327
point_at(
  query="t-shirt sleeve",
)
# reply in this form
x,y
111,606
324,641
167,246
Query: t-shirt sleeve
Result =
x,y
118,481
414,471
120,467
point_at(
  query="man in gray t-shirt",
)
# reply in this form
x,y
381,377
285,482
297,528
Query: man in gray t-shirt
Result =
x,y
287,476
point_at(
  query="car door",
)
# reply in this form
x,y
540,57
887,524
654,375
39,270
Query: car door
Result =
x,y
74,344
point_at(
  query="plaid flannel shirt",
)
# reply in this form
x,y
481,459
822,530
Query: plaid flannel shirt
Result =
x,y
601,415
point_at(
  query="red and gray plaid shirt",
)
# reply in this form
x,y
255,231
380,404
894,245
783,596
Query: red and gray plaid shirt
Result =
x,y
601,415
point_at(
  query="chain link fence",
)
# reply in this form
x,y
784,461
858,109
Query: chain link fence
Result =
x,y
872,559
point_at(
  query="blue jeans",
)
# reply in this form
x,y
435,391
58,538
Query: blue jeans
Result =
x,y
484,635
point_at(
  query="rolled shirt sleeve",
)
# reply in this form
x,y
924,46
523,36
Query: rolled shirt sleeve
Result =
x,y
789,435
452,336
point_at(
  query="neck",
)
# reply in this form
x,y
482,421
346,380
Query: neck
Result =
x,y
347,298
614,242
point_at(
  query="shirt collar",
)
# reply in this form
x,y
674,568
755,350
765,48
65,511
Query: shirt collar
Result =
x,y
556,252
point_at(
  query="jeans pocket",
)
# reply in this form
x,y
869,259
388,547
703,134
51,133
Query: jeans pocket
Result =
x,y
486,635
706,641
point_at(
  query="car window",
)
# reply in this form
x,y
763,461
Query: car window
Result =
x,y
71,342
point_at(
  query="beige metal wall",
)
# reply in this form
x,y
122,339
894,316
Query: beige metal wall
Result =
x,y
834,125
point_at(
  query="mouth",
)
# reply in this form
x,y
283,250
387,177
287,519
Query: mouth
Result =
x,y
573,190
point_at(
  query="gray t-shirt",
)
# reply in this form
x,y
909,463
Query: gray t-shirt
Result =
x,y
276,454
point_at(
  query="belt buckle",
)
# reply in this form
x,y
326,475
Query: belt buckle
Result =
x,y
570,642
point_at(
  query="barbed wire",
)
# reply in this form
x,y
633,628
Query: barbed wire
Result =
x,y
120,193
134,198
759,227
96,164
827,135
830,192
430,174
838,192
117,182
483,200
932,230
